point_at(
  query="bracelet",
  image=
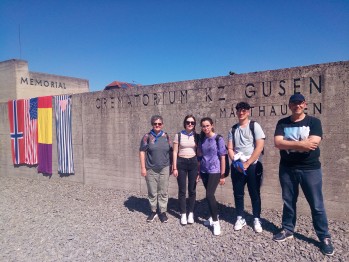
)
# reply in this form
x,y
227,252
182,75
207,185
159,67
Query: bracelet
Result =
x,y
174,169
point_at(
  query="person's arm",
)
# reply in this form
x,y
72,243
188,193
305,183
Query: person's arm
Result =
x,y
198,175
222,179
231,149
142,160
174,163
199,157
255,154
316,139
222,152
311,143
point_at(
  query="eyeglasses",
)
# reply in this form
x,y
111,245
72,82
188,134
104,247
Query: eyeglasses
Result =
x,y
190,123
206,126
157,124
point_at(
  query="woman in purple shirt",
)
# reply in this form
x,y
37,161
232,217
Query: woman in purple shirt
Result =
x,y
211,154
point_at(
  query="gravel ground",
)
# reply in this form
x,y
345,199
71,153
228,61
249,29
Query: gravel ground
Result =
x,y
57,221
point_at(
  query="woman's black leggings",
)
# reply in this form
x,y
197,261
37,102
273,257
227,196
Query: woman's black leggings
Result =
x,y
187,167
211,182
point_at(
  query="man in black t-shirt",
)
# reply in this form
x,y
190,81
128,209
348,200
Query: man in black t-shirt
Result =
x,y
298,137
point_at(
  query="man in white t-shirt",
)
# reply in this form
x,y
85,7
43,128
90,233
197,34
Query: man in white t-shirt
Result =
x,y
244,150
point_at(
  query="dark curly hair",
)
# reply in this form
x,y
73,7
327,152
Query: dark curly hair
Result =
x,y
242,105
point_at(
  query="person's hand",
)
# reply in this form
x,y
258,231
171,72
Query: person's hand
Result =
x,y
245,165
222,181
143,172
175,172
309,144
198,178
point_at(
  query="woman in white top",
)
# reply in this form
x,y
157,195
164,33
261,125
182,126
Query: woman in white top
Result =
x,y
185,165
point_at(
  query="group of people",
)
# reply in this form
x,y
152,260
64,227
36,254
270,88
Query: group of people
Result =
x,y
202,156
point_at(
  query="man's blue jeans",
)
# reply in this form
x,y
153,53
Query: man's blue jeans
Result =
x,y
311,184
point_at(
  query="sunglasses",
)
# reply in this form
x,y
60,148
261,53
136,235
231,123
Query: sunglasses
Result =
x,y
190,123
157,124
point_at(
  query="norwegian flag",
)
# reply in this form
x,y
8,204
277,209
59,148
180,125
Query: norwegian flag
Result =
x,y
16,119
31,131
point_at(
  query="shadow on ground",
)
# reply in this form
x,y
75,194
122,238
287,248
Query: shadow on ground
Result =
x,y
226,213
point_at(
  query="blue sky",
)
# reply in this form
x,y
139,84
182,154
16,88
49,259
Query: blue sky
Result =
x,y
149,42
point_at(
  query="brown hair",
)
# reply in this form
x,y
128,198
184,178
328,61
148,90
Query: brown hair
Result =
x,y
185,119
209,119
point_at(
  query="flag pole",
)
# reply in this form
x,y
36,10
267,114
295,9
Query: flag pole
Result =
x,y
19,40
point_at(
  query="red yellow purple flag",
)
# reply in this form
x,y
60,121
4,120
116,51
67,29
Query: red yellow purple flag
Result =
x,y
45,134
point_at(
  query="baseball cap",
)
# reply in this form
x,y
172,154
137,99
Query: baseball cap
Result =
x,y
297,98
242,105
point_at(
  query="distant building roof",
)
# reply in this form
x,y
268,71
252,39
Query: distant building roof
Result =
x,y
118,84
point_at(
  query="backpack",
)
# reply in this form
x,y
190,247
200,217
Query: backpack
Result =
x,y
227,165
259,165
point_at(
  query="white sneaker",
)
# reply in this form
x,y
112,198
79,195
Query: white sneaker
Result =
x,y
183,219
257,225
216,228
240,223
208,222
191,218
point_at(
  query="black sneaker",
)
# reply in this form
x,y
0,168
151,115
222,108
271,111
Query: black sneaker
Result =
x,y
152,217
283,235
326,247
163,217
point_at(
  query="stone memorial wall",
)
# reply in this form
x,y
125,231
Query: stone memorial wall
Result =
x,y
16,81
108,127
